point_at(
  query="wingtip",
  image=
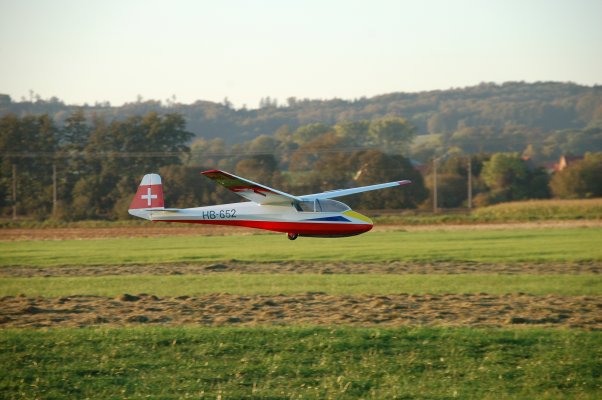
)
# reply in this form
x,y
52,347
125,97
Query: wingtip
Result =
x,y
406,182
210,171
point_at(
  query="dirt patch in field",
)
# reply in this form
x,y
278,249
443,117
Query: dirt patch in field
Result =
x,y
297,267
158,230
475,310
489,226
152,230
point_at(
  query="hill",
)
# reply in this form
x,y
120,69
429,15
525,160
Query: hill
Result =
x,y
539,106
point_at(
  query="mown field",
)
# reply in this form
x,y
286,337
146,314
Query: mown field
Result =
x,y
530,326
514,245
517,211
300,362
337,284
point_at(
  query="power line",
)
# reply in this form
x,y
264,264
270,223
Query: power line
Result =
x,y
151,154
248,153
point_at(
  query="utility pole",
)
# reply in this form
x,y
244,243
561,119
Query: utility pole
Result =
x,y
54,190
434,185
469,182
14,191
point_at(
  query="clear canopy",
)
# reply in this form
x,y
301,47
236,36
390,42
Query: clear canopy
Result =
x,y
326,205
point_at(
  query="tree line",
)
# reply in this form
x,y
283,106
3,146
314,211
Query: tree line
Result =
x,y
553,116
82,161
89,166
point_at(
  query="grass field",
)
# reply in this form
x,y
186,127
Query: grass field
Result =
x,y
535,245
315,363
517,211
549,354
539,210
347,284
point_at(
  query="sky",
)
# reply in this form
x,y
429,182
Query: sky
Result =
x,y
117,50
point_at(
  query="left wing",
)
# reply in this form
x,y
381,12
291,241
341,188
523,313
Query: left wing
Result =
x,y
248,189
345,192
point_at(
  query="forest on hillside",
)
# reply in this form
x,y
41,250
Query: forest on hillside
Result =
x,y
79,162
552,117
89,167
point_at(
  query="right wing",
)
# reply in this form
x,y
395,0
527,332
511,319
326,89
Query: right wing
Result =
x,y
248,189
346,192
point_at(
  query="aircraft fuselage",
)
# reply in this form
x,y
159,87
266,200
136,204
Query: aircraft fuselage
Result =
x,y
299,219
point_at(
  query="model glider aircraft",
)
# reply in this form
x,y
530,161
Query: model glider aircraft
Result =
x,y
314,215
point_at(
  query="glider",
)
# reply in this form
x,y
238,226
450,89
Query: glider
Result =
x,y
313,215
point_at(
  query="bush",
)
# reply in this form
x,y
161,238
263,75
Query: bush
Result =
x,y
583,179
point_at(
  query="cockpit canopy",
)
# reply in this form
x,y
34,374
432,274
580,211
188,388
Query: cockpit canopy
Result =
x,y
326,205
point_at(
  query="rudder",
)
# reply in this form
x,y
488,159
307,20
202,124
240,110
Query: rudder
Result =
x,y
149,194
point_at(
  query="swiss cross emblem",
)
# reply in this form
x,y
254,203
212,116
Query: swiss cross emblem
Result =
x,y
149,196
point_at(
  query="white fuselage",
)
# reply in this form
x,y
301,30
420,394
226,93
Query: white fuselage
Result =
x,y
305,221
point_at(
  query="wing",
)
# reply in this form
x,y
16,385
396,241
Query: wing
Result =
x,y
248,189
346,192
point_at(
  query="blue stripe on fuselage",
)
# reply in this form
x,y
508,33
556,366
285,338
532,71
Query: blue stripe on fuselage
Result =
x,y
338,218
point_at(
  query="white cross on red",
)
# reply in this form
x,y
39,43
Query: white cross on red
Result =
x,y
149,196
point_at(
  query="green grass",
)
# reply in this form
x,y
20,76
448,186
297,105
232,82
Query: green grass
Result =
x,y
300,362
411,218
55,223
516,211
538,210
534,245
347,284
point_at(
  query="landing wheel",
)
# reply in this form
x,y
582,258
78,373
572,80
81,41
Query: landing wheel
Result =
x,y
292,236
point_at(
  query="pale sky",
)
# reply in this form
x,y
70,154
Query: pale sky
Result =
x,y
114,50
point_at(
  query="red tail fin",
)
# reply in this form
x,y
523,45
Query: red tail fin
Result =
x,y
149,194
